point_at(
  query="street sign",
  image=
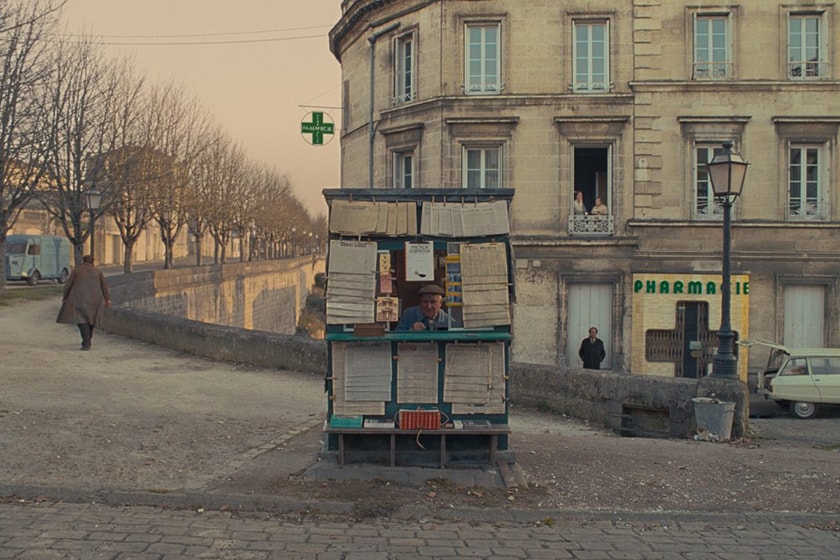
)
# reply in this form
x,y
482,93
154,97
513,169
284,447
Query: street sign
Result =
x,y
317,124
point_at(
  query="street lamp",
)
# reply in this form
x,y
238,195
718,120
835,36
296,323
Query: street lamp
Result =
x,y
94,199
726,173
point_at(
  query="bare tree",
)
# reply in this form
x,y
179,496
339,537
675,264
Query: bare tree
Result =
x,y
77,114
133,165
177,127
204,175
23,26
216,191
272,189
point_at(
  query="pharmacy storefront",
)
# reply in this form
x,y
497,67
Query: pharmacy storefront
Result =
x,y
675,322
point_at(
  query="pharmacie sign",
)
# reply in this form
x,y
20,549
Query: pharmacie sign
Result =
x,y
695,285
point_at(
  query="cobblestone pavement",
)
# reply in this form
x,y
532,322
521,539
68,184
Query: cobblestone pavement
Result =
x,y
82,531
133,451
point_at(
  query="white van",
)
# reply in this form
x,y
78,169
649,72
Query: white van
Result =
x,y
799,378
36,257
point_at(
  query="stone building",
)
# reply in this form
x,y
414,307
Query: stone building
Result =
x,y
623,100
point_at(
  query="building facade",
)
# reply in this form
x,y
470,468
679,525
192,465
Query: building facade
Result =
x,y
623,101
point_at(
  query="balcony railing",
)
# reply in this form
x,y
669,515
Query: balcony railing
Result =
x,y
712,70
591,225
807,69
805,210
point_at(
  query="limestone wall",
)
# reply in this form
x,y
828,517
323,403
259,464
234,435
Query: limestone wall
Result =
x,y
260,295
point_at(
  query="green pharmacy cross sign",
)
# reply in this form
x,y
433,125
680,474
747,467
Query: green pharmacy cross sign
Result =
x,y
317,128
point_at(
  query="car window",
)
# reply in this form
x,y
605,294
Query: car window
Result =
x,y
776,359
795,366
821,366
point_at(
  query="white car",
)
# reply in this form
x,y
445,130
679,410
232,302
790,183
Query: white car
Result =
x,y
799,378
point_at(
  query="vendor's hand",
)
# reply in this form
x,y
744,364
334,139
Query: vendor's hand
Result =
x,y
418,326
107,303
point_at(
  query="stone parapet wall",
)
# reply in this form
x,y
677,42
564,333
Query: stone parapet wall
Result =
x,y
260,295
219,342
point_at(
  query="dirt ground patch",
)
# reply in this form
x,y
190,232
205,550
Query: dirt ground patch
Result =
x,y
571,466
133,417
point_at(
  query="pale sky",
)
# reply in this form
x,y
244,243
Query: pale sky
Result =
x,y
273,57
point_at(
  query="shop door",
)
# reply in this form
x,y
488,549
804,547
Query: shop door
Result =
x,y
690,345
590,305
699,342
804,316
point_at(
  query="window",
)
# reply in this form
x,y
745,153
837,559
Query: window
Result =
x,y
806,47
482,167
404,169
404,65
712,59
483,59
591,177
805,182
591,54
705,205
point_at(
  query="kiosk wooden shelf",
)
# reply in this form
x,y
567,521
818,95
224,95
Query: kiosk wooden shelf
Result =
x,y
441,392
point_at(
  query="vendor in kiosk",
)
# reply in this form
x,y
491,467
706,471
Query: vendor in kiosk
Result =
x,y
427,315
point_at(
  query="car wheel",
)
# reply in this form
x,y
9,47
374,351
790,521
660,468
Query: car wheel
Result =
x,y
34,279
62,278
803,410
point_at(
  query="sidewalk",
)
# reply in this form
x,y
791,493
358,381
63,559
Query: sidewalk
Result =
x,y
136,451
60,530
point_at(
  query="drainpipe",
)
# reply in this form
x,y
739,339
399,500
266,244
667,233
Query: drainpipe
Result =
x,y
372,40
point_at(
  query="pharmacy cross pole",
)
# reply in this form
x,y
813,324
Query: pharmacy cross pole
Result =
x,y
317,127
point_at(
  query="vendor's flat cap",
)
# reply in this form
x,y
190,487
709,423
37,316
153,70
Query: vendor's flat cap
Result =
x,y
431,289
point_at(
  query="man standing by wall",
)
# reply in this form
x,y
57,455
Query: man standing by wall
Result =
x,y
592,350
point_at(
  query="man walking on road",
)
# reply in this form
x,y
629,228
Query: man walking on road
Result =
x,y
85,297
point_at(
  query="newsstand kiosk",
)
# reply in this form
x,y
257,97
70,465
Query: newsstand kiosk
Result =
x,y
437,395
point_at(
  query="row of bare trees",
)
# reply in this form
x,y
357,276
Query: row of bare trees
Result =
x,y
73,121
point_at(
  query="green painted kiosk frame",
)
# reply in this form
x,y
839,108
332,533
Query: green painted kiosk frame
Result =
x,y
439,393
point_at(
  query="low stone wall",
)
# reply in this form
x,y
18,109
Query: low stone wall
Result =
x,y
161,307
220,342
632,404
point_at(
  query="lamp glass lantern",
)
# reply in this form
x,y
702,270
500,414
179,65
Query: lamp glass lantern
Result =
x,y
94,199
727,172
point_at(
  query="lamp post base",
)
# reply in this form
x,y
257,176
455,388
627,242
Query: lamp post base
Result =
x,y
725,362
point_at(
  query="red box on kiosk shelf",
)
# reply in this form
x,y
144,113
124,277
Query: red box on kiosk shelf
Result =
x,y
419,419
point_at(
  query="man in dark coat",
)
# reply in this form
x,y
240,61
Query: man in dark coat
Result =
x,y
85,297
592,350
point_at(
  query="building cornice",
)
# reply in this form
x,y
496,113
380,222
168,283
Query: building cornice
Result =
x,y
695,119
753,224
827,86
